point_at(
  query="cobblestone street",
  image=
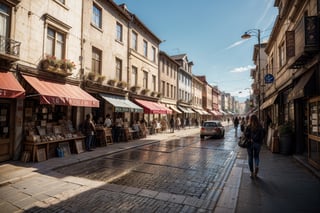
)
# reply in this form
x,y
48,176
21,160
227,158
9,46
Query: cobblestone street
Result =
x,y
178,175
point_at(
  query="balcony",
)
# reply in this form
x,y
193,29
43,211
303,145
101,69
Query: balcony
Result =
x,y
302,44
9,49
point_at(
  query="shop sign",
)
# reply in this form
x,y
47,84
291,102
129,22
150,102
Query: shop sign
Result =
x,y
268,78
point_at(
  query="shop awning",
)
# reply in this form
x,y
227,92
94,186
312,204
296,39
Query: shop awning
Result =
x,y
199,111
151,107
175,109
205,112
186,109
298,90
121,104
223,112
60,93
10,87
268,102
216,113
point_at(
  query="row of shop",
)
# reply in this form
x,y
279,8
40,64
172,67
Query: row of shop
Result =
x,y
297,104
36,108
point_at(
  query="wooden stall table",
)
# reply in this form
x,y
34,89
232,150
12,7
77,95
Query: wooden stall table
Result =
x,y
104,135
134,133
76,143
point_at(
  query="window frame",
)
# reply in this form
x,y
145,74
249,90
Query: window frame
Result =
x,y
98,61
119,32
55,42
134,40
118,69
145,80
96,16
145,48
134,75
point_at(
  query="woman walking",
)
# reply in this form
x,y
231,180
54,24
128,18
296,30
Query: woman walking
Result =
x,y
255,133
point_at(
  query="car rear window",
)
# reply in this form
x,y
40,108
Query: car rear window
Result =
x,y
211,124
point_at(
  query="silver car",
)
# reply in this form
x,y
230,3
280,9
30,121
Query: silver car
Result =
x,y
212,128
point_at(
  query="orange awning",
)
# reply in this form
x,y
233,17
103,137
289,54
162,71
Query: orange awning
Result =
x,y
151,107
61,93
10,87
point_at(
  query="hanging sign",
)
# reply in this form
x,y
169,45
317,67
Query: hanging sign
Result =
x,y
268,78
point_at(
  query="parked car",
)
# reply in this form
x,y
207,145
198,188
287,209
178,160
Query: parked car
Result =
x,y
212,128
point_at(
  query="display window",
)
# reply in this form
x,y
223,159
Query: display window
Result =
x,y
314,132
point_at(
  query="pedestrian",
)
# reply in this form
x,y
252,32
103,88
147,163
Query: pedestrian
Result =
x,y
89,130
255,133
242,124
118,128
107,121
188,122
172,124
236,123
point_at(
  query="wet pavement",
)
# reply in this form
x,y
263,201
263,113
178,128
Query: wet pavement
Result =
x,y
161,173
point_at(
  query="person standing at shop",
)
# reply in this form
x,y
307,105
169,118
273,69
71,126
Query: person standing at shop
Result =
x,y
171,124
107,121
255,133
118,128
89,129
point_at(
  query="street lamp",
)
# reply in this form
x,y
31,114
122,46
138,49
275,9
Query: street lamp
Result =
x,y
247,35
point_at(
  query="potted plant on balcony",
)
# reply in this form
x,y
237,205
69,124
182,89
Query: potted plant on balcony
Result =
x,y
153,93
285,138
101,78
145,91
112,82
159,95
67,65
135,88
91,76
50,62
122,84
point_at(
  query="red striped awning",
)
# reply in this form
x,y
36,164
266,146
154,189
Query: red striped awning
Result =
x,y
10,87
61,93
150,107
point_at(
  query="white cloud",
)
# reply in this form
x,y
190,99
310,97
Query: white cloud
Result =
x,y
237,43
242,69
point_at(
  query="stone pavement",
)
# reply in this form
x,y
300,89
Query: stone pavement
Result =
x,y
284,183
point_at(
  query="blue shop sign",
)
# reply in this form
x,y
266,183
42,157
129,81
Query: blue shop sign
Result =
x,y
268,78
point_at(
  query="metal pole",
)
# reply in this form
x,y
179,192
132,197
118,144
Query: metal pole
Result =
x,y
259,74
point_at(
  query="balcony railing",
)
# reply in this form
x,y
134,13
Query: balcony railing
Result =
x,y
9,48
303,43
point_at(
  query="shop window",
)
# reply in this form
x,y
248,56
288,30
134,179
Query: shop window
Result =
x,y
4,120
314,123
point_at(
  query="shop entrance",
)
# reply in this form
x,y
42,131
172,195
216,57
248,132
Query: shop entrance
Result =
x,y
5,130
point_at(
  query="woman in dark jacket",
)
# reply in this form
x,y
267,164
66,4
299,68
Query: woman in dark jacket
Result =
x,y
255,133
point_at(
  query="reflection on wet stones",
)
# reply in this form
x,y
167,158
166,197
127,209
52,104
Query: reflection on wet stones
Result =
x,y
183,167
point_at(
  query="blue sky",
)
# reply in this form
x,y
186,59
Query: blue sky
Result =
x,y
209,32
